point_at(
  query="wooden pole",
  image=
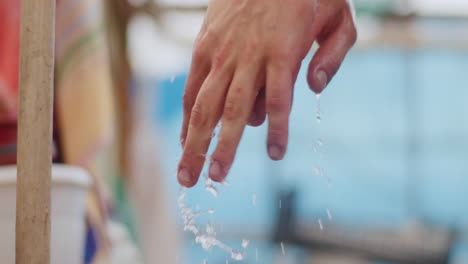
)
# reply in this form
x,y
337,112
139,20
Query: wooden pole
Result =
x,y
35,132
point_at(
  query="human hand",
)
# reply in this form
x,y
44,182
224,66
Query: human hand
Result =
x,y
245,63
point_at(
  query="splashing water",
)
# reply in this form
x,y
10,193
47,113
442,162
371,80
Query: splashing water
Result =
x,y
211,187
172,78
318,115
237,255
207,239
256,254
210,211
245,243
207,160
283,251
320,224
318,170
329,214
225,183
210,230
329,182
320,142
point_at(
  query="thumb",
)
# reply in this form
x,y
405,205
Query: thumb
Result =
x,y
331,53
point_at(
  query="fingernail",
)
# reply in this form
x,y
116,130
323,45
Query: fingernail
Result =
x,y
215,170
274,152
322,81
184,176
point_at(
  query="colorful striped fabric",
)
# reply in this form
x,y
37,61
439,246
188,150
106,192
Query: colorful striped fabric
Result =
x,y
84,103
85,106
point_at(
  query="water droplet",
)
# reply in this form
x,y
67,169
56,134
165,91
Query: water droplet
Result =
x,y
254,199
282,249
207,240
237,255
245,243
320,224
318,114
212,190
256,254
318,171
329,214
329,182
320,142
207,161
225,182
210,187
210,230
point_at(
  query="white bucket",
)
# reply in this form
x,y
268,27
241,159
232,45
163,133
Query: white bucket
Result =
x,y
69,188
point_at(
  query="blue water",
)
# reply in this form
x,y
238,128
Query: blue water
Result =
x,y
379,101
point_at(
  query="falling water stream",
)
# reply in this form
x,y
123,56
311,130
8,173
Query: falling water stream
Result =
x,y
206,237
318,148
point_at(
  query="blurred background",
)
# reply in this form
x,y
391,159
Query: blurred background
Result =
x,y
388,185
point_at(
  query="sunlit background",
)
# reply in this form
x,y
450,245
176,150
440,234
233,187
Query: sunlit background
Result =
x,y
390,182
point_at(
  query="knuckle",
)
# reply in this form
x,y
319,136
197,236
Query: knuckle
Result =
x,y
350,29
232,111
199,53
223,149
220,55
187,101
353,35
281,54
199,117
201,48
277,132
224,152
251,49
277,103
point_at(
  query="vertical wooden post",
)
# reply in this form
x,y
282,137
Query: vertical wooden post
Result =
x,y
35,132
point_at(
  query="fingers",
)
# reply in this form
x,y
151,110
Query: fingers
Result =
x,y
203,118
197,75
258,115
333,49
279,91
237,108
